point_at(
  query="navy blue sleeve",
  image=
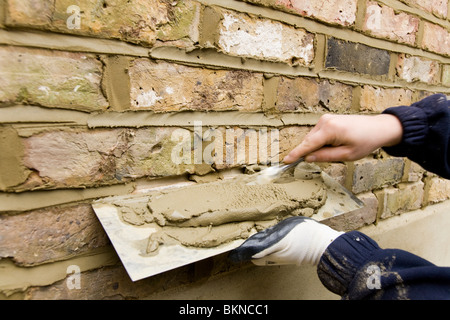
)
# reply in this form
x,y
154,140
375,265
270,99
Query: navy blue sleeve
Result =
x,y
356,268
426,134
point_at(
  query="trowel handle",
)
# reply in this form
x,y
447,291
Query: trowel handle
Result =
x,y
293,164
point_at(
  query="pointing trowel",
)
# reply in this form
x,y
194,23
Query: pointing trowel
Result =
x,y
131,242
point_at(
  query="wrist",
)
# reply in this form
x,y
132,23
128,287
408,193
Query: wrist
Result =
x,y
390,129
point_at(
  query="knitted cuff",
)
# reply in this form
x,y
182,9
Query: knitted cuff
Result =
x,y
343,258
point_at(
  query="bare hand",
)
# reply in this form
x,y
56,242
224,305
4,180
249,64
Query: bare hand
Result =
x,y
347,137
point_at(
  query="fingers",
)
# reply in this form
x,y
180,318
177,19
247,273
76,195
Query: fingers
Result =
x,y
318,137
330,154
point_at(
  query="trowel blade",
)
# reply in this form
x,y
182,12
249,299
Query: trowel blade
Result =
x,y
130,241
339,200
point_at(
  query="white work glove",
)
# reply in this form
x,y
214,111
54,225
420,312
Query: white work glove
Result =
x,y
296,240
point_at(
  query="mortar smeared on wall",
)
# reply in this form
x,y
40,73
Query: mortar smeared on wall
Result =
x,y
207,215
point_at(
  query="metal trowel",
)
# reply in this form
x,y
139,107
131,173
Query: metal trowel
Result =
x,y
131,241
270,174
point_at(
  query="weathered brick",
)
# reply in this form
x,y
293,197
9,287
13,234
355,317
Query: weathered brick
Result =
x,y
73,158
420,69
407,197
311,95
355,57
183,26
378,99
338,171
370,174
115,284
50,234
12,171
436,39
437,7
382,21
341,12
438,190
170,87
358,218
51,78
252,37
446,75
134,21
290,137
33,12
412,172
235,146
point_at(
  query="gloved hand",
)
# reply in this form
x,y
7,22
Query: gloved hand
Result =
x,y
296,240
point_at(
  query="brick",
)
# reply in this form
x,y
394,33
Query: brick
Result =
x,y
412,172
115,284
290,137
341,12
414,69
263,39
74,158
33,12
436,7
50,234
183,25
357,58
438,190
12,171
436,39
165,87
249,146
378,99
382,21
394,201
113,281
370,174
358,218
137,21
338,171
311,95
446,75
51,78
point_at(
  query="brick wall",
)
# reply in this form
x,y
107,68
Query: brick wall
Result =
x,y
91,93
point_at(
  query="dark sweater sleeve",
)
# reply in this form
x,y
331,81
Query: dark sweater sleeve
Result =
x,y
426,134
356,268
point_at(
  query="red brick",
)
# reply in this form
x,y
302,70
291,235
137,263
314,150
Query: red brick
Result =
x,y
342,12
383,22
436,39
437,7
